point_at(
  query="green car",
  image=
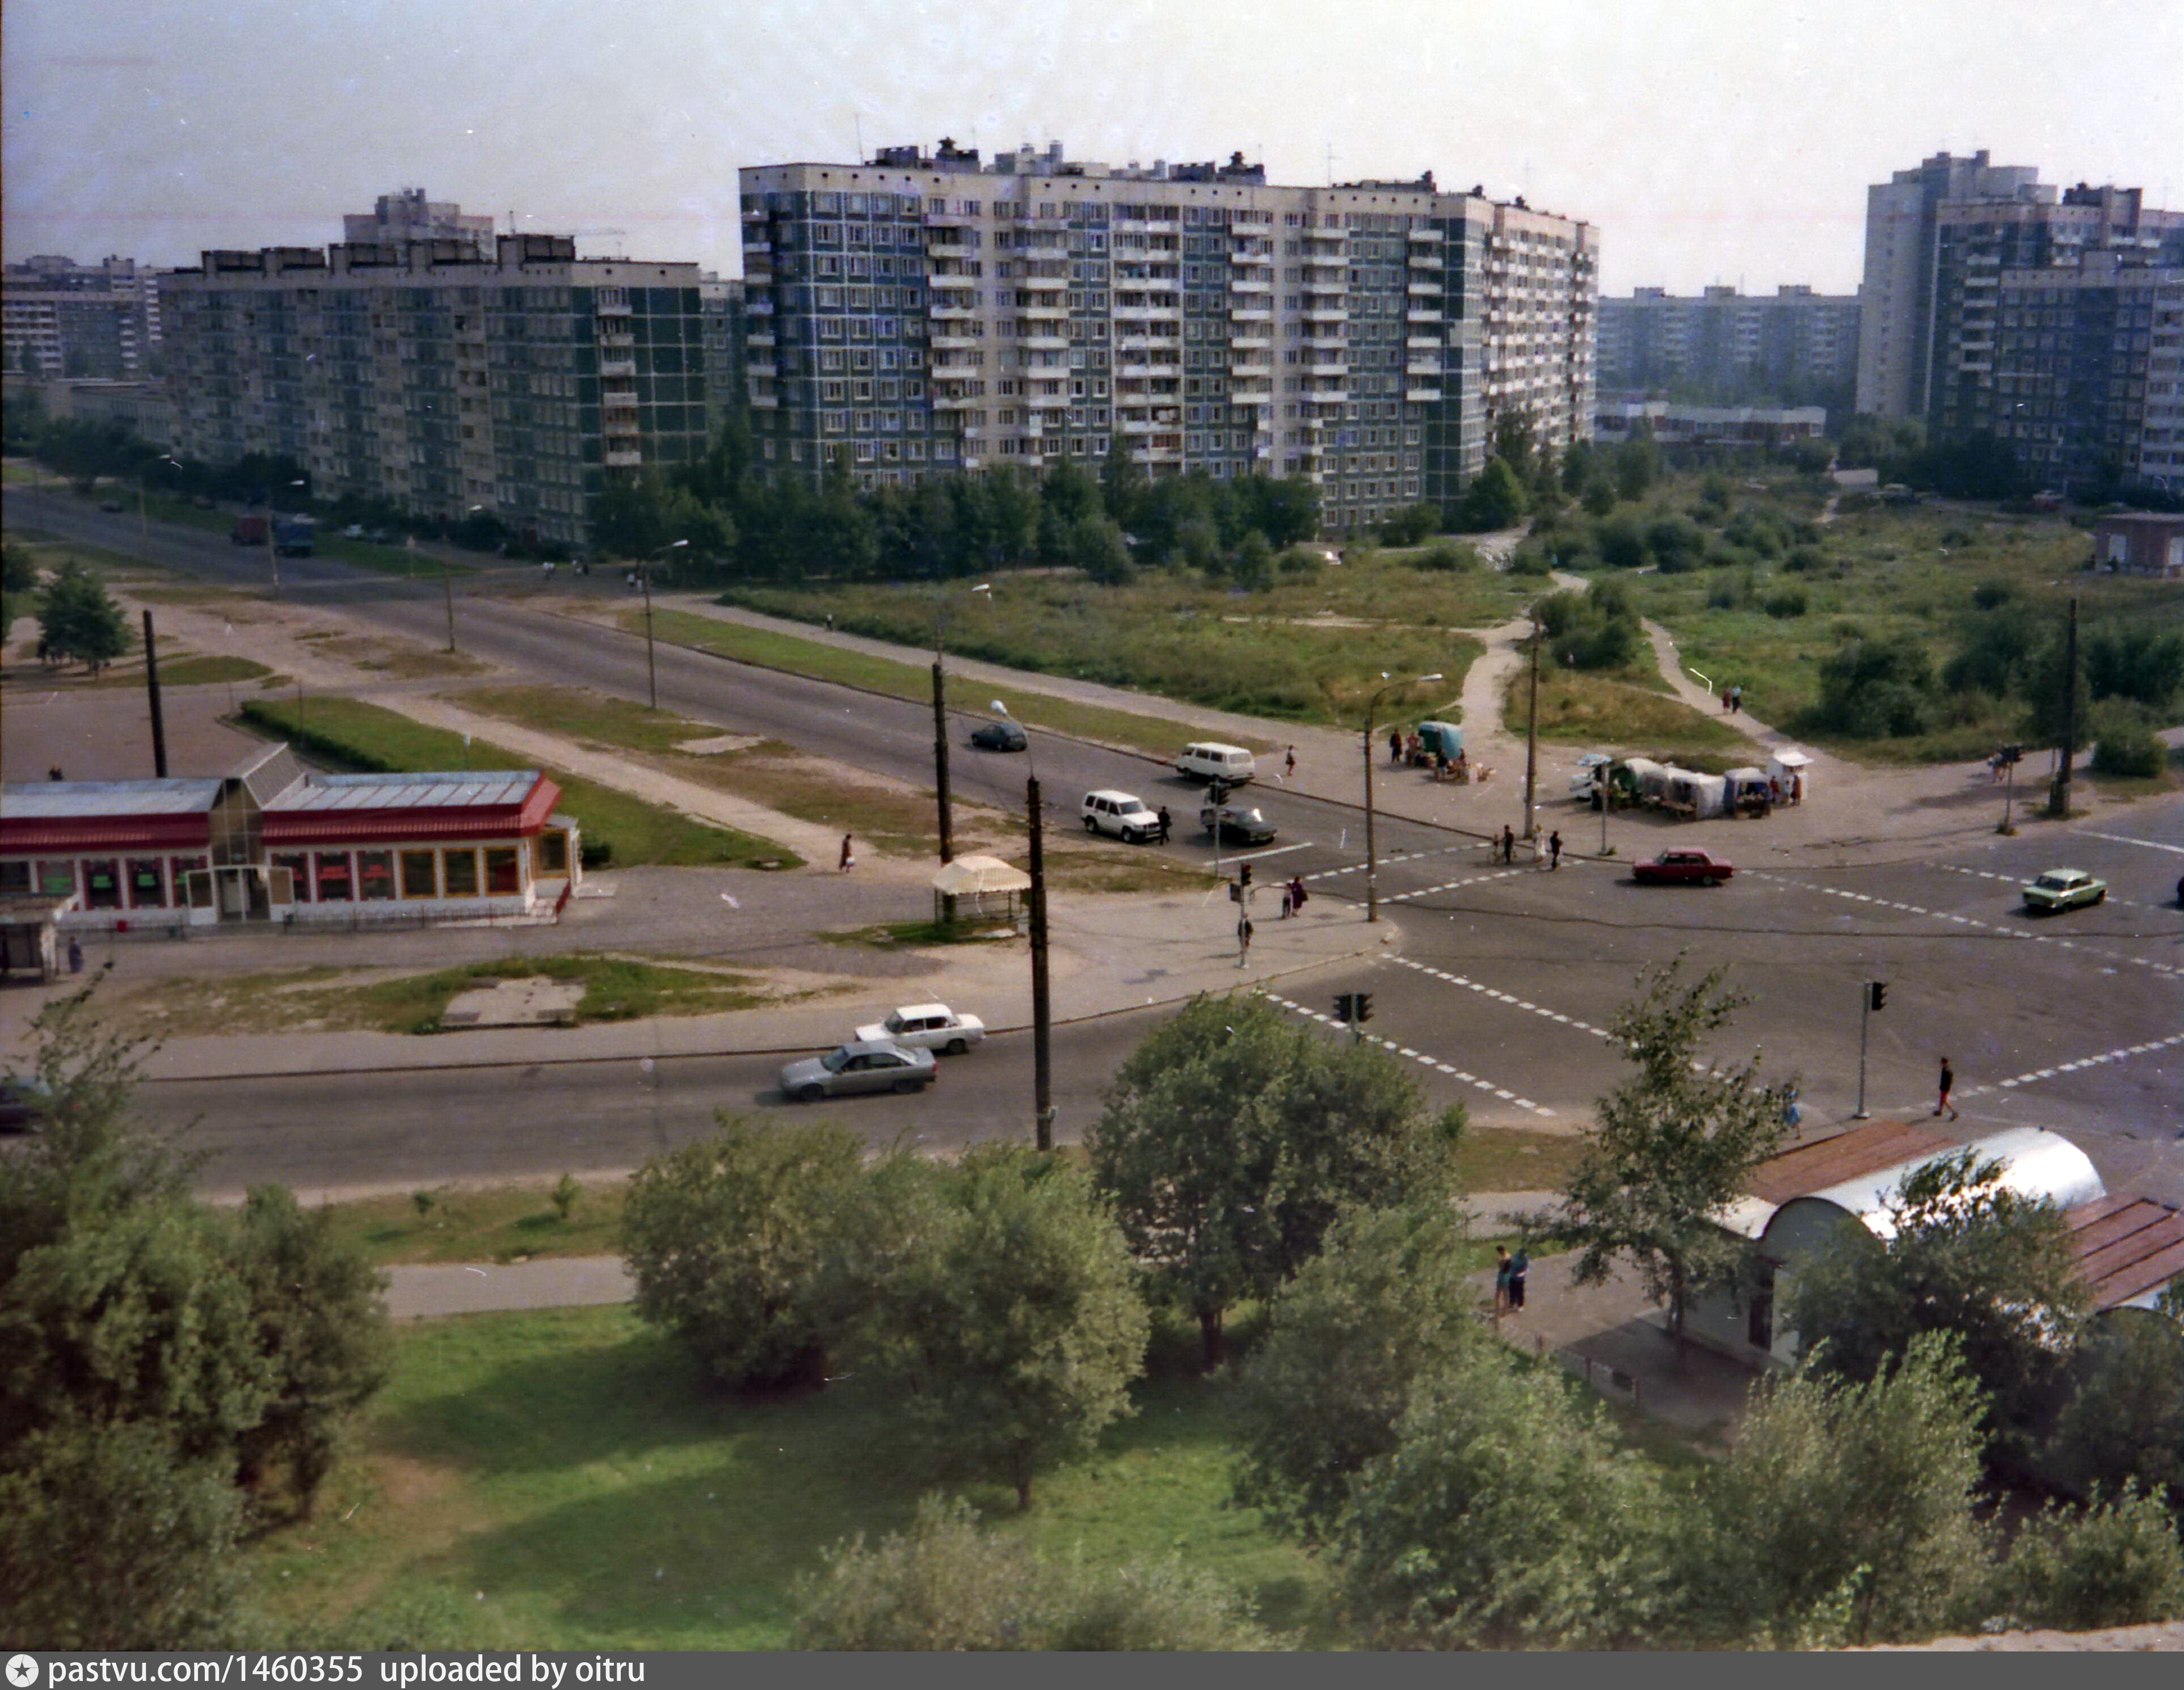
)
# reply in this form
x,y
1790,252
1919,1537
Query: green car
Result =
x,y
2063,889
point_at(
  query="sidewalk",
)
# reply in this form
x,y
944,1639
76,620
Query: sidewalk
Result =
x,y
421,1291
1109,956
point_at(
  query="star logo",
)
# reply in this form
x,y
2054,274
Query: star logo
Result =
x,y
22,1671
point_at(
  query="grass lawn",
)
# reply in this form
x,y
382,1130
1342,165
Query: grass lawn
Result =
x,y
327,998
1303,650
366,737
1148,734
557,1480
1595,711
190,670
1498,1158
496,1224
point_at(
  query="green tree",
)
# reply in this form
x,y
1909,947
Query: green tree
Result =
x,y
321,1325
2117,1563
1848,1507
1873,689
1254,567
1385,1303
944,1584
1122,484
729,1240
78,619
110,1541
1097,548
1284,509
1231,1139
1966,1256
1504,1517
1495,499
2056,694
1013,1327
1637,465
2123,1422
1671,1147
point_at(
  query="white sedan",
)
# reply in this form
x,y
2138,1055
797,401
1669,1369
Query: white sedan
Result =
x,y
928,1026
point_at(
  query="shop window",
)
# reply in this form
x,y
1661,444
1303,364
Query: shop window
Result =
x,y
554,852
461,877
283,886
333,877
181,868
147,883
102,884
418,876
503,874
298,868
57,880
375,874
14,879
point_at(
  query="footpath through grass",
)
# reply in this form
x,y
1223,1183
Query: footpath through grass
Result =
x,y
558,1480
822,662
1301,649
365,736
1596,710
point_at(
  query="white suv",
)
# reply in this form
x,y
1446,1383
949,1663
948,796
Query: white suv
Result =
x,y
1122,814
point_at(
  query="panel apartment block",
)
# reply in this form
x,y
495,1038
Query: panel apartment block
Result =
x,y
1792,346
932,313
443,374
60,319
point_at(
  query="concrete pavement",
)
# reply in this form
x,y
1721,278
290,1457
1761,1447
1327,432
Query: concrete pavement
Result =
x,y
424,1290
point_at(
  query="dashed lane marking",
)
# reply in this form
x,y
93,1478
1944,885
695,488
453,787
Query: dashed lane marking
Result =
x,y
1972,921
1423,1059
2126,839
1485,990
2121,1053
1451,886
2019,879
1358,868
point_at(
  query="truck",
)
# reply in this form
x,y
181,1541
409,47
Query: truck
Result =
x,y
293,536
248,531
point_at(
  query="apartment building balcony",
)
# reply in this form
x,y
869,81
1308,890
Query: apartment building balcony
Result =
x,y
1327,342
1044,284
1250,255
1327,314
1427,261
1422,234
1250,287
1242,393
942,312
757,305
1420,315
611,368
1251,313
626,458
1043,249
757,275
1417,285
955,370
1043,343
1044,308
949,219
612,307
1325,236
1422,396
1145,313
1324,285
956,401
1152,284
614,345
1048,402
1334,368
1143,371
1249,343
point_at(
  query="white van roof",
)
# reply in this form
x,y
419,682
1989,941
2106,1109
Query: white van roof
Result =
x,y
1217,748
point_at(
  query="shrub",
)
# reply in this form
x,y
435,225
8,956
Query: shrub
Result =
x,y
1676,544
1530,559
1299,560
1621,541
1990,593
1451,557
1804,560
1410,524
1787,602
2116,1563
2125,1421
2126,746
1872,689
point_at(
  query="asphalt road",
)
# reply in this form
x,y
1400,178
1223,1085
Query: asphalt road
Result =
x,y
1505,982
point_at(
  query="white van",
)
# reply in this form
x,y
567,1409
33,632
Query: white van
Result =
x,y
1230,765
1120,814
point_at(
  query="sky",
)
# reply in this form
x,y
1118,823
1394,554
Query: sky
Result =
x,y
1710,140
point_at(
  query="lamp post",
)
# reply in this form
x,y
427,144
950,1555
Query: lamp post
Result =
x,y
448,581
273,540
143,518
651,672
1532,739
1372,710
947,818
1042,1011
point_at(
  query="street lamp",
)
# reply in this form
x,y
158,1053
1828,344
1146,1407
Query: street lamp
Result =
x,y
447,580
940,725
273,539
1372,708
143,520
651,672
1042,1011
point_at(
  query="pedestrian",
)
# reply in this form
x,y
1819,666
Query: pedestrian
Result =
x,y
1555,849
1948,1085
848,856
1395,745
1289,901
1297,893
1289,765
75,955
1520,1264
1243,940
1724,701
43,654
830,622
1503,1268
54,773
1166,822
1508,844
1736,699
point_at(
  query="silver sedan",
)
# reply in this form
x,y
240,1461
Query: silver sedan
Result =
x,y
866,1065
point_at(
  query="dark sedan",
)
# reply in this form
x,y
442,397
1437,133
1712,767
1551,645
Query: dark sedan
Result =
x,y
1239,824
1683,868
999,736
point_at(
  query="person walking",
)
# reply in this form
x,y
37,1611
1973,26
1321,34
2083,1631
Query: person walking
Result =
x,y
54,773
74,954
1503,1269
1167,821
1395,745
1519,1266
848,856
1289,901
1508,843
1555,849
1243,939
1297,893
1289,765
1948,1085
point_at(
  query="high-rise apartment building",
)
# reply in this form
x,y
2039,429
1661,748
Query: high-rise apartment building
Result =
x,y
926,313
408,215
1902,217
60,319
446,374
1725,347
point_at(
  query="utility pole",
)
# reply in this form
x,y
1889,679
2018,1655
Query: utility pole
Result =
x,y
1532,744
152,689
940,756
1371,901
1042,1013
651,668
2059,802
447,586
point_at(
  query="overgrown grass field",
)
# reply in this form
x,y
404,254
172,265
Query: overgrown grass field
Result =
x,y
1598,710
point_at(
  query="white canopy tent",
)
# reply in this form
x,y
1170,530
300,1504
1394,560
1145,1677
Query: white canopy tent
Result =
x,y
980,878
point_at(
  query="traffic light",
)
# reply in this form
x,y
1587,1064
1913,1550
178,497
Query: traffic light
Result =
x,y
1364,1005
1876,993
1345,1007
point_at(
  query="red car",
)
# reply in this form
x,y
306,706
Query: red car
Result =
x,y
1690,867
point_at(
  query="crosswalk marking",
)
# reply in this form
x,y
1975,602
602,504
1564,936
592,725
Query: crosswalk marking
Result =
x,y
2122,1053
1423,1059
1540,1010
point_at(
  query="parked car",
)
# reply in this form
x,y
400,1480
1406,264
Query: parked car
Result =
x,y
2063,889
1238,826
354,531
926,1027
1691,868
1231,765
23,1104
112,507
1000,737
863,1065
1121,813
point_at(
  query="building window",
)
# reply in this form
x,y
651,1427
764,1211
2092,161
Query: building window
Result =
x,y
102,884
503,870
418,879
461,876
297,866
375,874
57,880
14,879
335,885
147,883
552,849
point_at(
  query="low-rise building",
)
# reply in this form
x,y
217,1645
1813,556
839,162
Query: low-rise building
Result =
x,y
272,841
1614,420
2139,543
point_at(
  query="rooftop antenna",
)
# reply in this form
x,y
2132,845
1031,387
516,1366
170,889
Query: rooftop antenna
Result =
x,y
858,120
1330,165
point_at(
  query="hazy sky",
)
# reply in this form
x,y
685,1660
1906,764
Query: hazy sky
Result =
x,y
1710,140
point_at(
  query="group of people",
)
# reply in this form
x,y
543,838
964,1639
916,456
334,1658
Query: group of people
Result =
x,y
1509,1271
1732,700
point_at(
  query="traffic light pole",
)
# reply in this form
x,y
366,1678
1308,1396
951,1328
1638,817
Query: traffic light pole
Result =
x,y
1042,1018
1869,991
